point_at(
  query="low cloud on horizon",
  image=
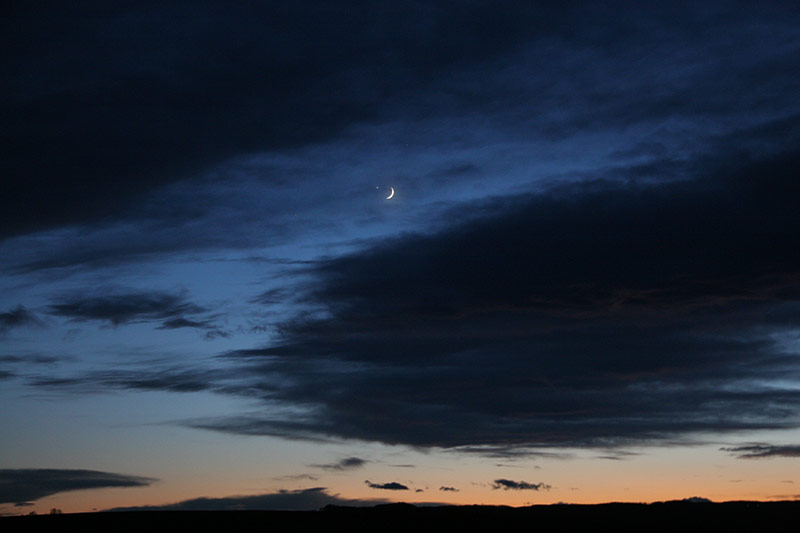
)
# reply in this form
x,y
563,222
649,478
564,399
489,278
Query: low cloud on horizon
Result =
x,y
308,499
23,485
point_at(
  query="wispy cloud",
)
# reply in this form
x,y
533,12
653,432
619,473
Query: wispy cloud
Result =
x,y
117,308
763,451
348,463
126,307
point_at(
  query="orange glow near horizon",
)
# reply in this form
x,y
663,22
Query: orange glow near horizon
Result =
x,y
653,475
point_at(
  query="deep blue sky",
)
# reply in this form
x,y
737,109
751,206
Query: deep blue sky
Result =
x,y
592,248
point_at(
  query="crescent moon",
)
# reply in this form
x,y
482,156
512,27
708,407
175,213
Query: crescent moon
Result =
x,y
391,195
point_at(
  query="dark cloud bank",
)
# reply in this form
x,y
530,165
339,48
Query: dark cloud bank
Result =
x,y
161,92
602,313
596,313
137,98
648,302
19,486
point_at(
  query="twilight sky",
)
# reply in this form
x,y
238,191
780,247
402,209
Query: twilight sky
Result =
x,y
585,288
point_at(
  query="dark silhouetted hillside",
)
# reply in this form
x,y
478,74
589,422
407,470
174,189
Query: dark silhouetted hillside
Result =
x,y
667,516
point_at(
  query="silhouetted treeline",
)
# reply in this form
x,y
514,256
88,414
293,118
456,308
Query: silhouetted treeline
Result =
x,y
669,516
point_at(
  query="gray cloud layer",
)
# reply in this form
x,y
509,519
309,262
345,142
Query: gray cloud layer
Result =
x,y
592,313
589,314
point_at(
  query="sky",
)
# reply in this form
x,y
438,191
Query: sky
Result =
x,y
584,288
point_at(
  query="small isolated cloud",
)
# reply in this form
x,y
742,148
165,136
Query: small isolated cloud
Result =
x,y
283,500
507,484
762,451
349,463
448,489
386,486
25,485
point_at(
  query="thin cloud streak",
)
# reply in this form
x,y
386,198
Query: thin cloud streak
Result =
x,y
348,463
763,451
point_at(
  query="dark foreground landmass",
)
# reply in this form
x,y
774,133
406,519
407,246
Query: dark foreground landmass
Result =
x,y
669,516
